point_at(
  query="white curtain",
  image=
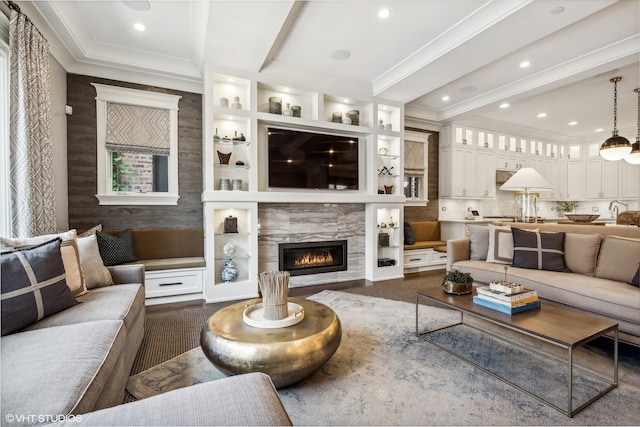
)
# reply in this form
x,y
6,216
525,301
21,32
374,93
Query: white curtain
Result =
x,y
31,151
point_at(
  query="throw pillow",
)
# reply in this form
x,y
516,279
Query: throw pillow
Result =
x,y
500,249
95,273
539,251
618,258
25,242
33,285
636,279
410,235
91,231
73,267
581,252
116,250
479,237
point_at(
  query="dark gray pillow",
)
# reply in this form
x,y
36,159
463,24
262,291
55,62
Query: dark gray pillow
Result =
x,y
636,279
33,285
536,250
479,237
116,250
410,235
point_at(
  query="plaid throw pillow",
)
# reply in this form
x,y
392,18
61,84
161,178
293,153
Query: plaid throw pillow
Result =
x,y
116,250
33,285
536,250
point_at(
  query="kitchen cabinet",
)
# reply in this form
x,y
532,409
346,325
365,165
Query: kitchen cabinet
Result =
x,y
575,180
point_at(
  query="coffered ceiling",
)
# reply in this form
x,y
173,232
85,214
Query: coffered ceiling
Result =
x,y
467,50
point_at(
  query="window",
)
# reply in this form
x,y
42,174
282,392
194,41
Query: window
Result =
x,y
137,133
415,166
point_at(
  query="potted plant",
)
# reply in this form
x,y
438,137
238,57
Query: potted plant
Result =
x,y
567,206
457,282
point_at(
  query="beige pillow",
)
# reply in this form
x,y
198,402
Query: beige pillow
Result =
x,y
24,242
73,267
500,244
95,273
581,252
91,231
618,259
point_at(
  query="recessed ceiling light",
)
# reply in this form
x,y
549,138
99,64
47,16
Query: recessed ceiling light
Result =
x,y
340,54
525,64
504,105
140,27
557,10
573,123
541,115
383,13
445,98
140,5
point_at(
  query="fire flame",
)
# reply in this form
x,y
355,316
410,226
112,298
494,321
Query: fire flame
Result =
x,y
310,259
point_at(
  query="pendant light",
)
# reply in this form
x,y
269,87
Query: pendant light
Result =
x,y
616,147
634,156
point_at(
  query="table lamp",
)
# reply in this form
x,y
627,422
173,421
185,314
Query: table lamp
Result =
x,y
526,182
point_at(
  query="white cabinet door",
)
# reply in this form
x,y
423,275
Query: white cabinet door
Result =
x,y
485,186
601,179
463,172
575,180
629,180
445,174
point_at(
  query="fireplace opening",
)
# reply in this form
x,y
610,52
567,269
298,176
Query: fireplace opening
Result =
x,y
312,257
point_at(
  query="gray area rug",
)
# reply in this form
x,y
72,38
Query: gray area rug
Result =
x,y
383,374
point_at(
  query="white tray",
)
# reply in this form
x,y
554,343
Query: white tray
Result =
x,y
253,315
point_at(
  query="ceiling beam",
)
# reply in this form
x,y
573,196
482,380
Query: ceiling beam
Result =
x,y
283,34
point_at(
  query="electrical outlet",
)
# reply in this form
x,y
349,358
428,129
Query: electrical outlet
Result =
x,y
444,208
594,209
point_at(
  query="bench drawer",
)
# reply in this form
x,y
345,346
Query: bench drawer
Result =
x,y
416,258
182,281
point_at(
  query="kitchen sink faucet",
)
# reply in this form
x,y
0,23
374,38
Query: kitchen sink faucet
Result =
x,y
615,208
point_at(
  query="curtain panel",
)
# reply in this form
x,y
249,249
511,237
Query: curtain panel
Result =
x,y
30,144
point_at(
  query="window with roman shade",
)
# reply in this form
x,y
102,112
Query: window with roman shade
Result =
x,y
415,166
137,136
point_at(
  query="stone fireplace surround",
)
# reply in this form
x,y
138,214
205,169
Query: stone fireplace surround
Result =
x,y
311,222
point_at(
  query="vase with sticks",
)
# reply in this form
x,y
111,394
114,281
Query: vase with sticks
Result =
x,y
274,286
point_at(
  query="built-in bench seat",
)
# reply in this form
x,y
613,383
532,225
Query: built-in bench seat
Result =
x,y
429,251
173,260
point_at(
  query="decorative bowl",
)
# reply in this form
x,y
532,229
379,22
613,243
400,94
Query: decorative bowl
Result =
x,y
582,217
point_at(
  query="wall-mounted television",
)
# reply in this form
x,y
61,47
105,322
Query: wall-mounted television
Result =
x,y
312,160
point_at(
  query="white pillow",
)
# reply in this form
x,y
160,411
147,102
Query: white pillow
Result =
x,y
500,244
24,242
95,273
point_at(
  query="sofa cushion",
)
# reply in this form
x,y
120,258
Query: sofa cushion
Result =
x,y
536,250
617,258
479,236
116,250
33,285
581,252
409,234
95,273
61,370
500,249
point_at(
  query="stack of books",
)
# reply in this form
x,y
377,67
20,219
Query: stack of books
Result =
x,y
507,298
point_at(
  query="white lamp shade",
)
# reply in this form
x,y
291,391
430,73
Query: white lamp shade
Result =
x,y
634,156
615,153
526,179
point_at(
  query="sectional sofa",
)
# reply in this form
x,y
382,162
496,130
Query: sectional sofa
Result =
x,y
593,268
69,341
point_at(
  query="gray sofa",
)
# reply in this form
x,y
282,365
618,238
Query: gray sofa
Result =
x,y
73,366
599,266
77,360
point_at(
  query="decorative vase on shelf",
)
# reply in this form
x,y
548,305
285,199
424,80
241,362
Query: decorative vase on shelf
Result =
x,y
381,124
224,158
224,102
242,137
346,120
229,272
216,137
296,110
287,110
275,105
236,103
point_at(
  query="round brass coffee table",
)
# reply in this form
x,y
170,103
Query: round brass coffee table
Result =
x,y
287,355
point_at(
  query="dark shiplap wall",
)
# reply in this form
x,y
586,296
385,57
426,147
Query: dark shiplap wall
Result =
x,y
431,211
84,211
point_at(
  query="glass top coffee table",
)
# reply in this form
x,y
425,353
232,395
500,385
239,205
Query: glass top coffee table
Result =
x,y
550,324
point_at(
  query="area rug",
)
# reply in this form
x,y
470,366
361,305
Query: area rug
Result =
x,y
382,374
